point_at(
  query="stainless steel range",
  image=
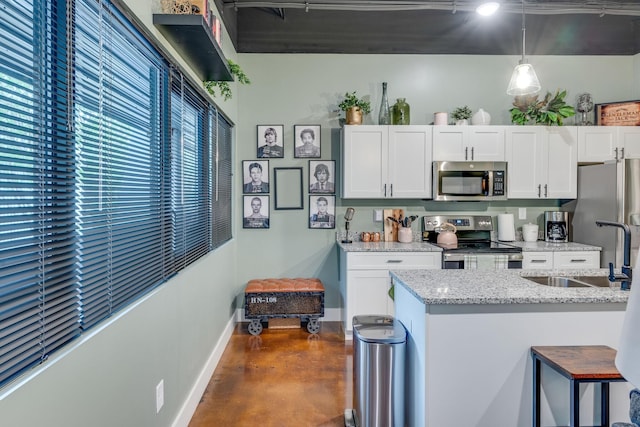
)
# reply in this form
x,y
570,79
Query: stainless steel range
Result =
x,y
475,249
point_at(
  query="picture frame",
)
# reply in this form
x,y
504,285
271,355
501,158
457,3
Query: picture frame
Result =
x,y
322,212
288,188
255,176
256,212
306,141
322,176
626,113
270,141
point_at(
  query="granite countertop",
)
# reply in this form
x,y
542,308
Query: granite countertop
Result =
x,y
388,247
501,287
542,246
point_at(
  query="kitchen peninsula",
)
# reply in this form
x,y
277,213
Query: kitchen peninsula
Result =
x,y
469,339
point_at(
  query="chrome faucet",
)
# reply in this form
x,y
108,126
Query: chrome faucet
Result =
x,y
625,277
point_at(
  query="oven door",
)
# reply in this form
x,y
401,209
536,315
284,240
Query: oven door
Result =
x,y
481,261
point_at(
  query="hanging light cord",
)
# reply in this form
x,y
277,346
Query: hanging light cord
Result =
x,y
524,33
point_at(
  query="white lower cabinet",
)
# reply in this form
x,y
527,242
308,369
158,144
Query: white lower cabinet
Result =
x,y
365,280
560,260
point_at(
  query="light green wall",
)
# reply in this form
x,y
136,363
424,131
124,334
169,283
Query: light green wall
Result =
x,y
306,88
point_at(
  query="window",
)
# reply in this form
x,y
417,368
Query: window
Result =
x,y
108,185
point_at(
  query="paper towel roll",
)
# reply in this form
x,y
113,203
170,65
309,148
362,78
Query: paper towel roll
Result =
x,y
506,228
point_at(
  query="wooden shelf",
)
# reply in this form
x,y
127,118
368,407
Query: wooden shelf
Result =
x,y
192,38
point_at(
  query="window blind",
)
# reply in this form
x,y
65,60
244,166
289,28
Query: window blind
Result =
x,y
119,80
38,297
222,150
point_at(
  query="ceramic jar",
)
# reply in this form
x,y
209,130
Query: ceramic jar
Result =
x,y
400,114
481,117
405,235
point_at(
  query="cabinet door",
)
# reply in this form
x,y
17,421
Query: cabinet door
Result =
x,y
410,150
562,164
576,259
596,143
537,260
449,143
629,140
486,143
364,161
368,294
525,149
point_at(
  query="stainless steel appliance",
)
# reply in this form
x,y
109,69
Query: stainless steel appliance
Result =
x,y
610,192
556,226
469,181
475,248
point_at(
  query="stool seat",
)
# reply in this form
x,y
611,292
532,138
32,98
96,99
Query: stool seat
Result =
x,y
284,285
585,363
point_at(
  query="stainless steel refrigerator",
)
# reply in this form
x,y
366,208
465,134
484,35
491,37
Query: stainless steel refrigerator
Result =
x,y
608,191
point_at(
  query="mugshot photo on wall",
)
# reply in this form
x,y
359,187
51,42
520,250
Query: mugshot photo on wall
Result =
x,y
256,212
270,141
255,176
306,141
322,211
322,176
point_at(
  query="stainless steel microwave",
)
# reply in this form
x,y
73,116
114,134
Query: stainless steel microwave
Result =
x,y
479,181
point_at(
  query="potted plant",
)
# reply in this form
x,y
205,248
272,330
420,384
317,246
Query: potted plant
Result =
x,y
223,86
461,115
550,111
354,108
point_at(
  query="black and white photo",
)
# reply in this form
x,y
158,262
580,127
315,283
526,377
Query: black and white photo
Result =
x,y
322,176
307,141
270,141
255,176
322,211
256,212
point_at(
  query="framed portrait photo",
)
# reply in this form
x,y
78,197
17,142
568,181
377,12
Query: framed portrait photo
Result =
x,y
270,141
255,176
322,176
256,212
306,141
322,212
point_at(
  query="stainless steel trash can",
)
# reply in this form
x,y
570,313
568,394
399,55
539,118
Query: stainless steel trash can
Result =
x,y
379,343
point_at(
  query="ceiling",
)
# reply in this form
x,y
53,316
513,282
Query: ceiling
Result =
x,y
432,27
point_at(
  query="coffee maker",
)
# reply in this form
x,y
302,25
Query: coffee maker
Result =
x,y
556,226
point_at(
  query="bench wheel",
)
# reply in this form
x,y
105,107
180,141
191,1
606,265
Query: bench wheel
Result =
x,y
255,327
313,326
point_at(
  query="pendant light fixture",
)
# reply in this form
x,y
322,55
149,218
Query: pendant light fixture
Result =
x,y
524,80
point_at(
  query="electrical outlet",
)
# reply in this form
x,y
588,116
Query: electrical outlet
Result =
x,y
522,213
159,396
377,215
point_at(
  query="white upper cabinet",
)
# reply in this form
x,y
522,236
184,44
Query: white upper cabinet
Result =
x,y
542,162
469,143
386,162
602,143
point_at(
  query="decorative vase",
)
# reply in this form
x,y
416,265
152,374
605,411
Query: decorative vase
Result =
x,y
463,122
354,116
481,117
401,112
384,118
405,235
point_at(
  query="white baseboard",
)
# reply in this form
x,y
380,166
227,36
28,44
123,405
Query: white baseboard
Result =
x,y
191,403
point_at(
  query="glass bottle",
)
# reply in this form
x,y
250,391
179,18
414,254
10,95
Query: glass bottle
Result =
x,y
384,118
401,112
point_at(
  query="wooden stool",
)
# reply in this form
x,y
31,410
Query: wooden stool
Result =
x,y
580,364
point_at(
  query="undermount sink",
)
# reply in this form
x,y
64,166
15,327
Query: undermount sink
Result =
x,y
572,282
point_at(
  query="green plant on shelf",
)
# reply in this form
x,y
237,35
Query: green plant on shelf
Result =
x,y
549,111
351,100
223,86
461,113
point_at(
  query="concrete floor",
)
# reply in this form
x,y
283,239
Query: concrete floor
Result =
x,y
283,377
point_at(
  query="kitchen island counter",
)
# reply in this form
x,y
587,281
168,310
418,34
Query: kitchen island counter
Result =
x,y
501,287
470,332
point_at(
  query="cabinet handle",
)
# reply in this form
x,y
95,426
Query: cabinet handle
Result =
x,y
616,150
472,154
466,153
622,153
539,190
394,261
578,260
545,190
385,190
538,261
391,192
